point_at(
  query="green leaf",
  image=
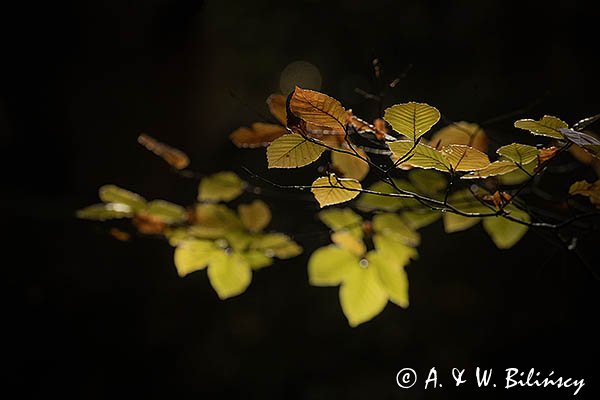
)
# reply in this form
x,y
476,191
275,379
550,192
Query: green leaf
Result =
x,y
547,126
339,219
519,176
362,295
292,151
276,244
238,240
255,216
392,277
167,212
214,221
462,132
420,218
421,155
496,168
393,250
520,153
104,211
372,202
412,119
427,181
505,233
229,274
392,225
329,265
463,201
193,255
330,190
222,186
115,194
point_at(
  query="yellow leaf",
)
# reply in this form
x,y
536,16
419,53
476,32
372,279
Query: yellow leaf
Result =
x,y
362,295
350,166
372,202
393,226
292,151
591,190
330,190
494,169
222,186
167,212
255,216
342,219
461,133
412,119
505,233
213,221
193,255
329,265
115,194
349,242
393,250
421,155
276,244
229,274
464,158
318,109
392,277
104,211
260,134
276,103
257,259
547,126
237,240
520,153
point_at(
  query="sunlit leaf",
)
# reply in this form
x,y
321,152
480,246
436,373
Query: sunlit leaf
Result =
x,y
393,250
392,277
518,176
461,133
329,265
464,158
412,119
222,186
494,169
174,157
165,211
520,153
214,220
318,109
547,153
349,242
427,181
330,190
257,259
547,126
276,244
255,216
260,134
276,103
350,166
342,219
115,194
505,233
229,274
362,295
104,211
238,240
421,155
371,202
393,226
194,255
292,151
590,190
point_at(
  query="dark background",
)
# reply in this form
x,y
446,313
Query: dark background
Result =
x,y
91,317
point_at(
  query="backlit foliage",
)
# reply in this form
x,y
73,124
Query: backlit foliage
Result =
x,y
421,173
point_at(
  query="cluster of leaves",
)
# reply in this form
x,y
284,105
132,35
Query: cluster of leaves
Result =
x,y
229,243
421,177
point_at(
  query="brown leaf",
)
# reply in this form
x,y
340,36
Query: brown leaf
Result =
x,y
591,190
149,224
318,109
174,157
546,154
120,235
276,103
498,199
260,134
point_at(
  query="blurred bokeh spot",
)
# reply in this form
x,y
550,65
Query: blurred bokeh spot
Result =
x,y
299,73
